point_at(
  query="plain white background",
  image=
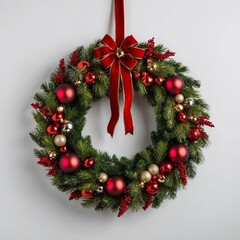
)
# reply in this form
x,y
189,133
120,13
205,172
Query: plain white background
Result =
x,y
34,35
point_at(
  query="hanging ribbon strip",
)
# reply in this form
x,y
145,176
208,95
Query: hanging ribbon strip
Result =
x,y
120,57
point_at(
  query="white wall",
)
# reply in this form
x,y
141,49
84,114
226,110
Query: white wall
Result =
x,y
34,35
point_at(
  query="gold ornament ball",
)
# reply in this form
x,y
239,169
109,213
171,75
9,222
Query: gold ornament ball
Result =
x,y
141,184
60,140
153,169
179,98
145,176
179,107
102,177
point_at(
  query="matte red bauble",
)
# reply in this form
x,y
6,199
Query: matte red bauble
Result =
x,y
53,129
69,163
65,93
165,167
174,85
152,187
181,117
178,153
115,186
87,193
88,162
90,78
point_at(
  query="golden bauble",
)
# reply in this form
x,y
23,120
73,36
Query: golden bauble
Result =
x,y
179,107
102,177
145,176
141,184
153,169
60,140
179,98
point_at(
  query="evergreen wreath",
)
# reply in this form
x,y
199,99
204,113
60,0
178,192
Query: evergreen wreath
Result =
x,y
157,171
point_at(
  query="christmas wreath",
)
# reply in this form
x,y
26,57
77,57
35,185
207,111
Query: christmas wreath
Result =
x,y
157,171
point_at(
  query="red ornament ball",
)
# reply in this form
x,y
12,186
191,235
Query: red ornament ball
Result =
x,y
136,75
63,149
65,93
69,163
53,129
178,153
147,80
158,80
115,186
165,167
174,85
57,117
90,78
88,162
152,187
87,193
83,65
181,117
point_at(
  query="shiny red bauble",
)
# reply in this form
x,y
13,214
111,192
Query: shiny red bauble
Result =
x,y
90,78
165,167
136,75
57,117
88,162
83,65
147,80
87,193
158,80
178,153
181,117
69,163
174,85
65,93
53,129
115,186
152,187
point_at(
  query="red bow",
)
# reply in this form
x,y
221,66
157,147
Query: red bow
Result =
x,y
120,59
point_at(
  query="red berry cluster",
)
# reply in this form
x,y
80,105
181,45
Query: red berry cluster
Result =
x,y
148,202
182,170
47,162
74,58
151,53
44,110
124,205
59,77
75,195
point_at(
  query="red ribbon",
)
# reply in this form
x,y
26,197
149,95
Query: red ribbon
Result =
x,y
120,60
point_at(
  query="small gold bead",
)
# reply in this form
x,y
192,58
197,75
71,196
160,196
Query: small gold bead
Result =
x,y
179,107
161,178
